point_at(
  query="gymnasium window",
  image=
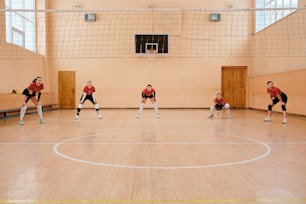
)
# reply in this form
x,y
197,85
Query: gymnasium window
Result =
x,y
275,10
20,25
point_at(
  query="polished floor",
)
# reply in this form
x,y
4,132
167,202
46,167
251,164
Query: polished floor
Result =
x,y
182,157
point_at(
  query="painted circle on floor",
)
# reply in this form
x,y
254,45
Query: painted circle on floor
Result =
x,y
265,153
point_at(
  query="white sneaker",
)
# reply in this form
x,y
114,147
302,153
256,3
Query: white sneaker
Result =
x,y
138,115
228,116
211,116
285,121
99,116
77,117
42,121
158,115
267,119
21,122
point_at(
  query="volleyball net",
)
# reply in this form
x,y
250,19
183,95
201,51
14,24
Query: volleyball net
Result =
x,y
171,33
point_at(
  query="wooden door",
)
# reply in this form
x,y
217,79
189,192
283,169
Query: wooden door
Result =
x,y
66,89
234,85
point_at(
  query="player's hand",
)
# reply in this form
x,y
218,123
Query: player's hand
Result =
x,y
283,103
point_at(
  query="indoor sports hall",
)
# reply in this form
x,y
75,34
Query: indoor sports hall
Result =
x,y
152,101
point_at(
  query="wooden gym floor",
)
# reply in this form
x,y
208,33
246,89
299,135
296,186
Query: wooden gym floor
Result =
x,y
183,157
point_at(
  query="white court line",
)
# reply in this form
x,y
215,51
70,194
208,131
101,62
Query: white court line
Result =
x,y
261,156
149,143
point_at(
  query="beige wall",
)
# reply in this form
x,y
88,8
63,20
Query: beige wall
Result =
x,y
109,4
18,67
282,46
302,3
187,83
182,79
180,82
292,83
287,71
12,101
18,73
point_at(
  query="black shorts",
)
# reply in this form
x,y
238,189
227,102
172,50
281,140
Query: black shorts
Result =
x,y
219,107
148,96
27,93
284,98
88,97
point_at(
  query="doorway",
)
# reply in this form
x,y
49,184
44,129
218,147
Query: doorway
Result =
x,y
234,85
66,89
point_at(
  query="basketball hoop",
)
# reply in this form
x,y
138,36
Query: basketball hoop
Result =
x,y
151,54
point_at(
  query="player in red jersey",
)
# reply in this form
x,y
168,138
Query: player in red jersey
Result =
x,y
276,96
148,92
30,93
219,102
89,93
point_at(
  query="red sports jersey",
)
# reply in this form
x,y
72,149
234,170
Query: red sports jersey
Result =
x,y
89,91
146,92
274,91
219,101
35,88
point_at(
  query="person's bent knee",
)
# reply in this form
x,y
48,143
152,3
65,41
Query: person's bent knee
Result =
x,y
227,106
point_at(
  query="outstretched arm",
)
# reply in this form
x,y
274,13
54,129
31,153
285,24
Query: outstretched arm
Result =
x,y
38,97
83,97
